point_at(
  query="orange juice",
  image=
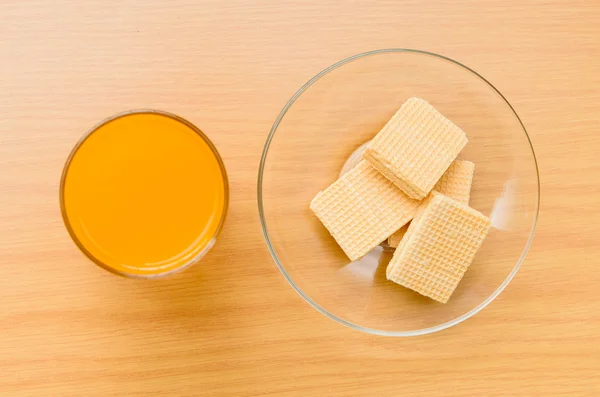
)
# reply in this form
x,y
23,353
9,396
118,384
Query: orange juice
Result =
x,y
144,194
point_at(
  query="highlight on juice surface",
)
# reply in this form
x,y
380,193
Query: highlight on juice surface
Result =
x,y
144,194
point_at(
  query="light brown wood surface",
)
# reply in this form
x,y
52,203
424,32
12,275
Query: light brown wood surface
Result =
x,y
232,326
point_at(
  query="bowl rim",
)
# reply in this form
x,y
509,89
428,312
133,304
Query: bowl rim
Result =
x,y
263,222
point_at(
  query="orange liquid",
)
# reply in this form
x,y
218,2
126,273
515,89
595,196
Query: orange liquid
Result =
x,y
144,194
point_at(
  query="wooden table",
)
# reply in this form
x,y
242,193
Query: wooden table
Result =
x,y
232,326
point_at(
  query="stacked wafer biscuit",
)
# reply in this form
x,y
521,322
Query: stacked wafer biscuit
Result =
x,y
455,183
416,147
409,172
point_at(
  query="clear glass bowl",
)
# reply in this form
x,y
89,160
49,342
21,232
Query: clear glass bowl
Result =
x,y
335,113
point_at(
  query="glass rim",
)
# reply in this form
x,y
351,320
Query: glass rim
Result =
x,y
89,133
289,279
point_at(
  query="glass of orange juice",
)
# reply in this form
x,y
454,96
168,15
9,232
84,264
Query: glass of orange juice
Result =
x,y
144,194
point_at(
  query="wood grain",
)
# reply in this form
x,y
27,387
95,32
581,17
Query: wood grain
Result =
x,y
232,326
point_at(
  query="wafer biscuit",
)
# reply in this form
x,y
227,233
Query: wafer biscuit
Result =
x,y
455,183
439,246
361,209
415,147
